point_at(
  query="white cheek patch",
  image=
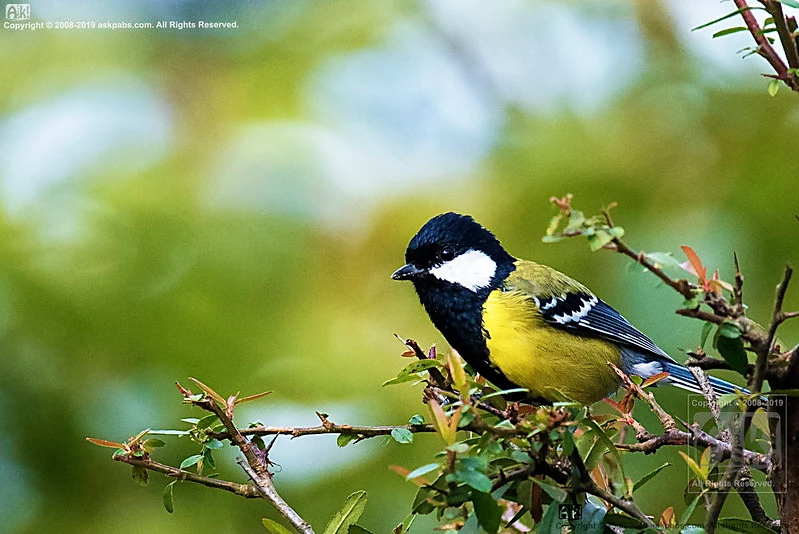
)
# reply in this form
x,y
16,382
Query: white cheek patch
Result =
x,y
472,269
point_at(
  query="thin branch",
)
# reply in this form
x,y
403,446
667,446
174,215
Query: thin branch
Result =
x,y
698,438
268,491
735,465
681,286
744,486
696,313
586,485
665,419
786,39
710,397
728,479
434,373
764,47
245,490
247,449
362,432
622,504
257,463
738,287
761,364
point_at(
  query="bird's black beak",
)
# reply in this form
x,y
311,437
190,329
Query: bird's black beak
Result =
x,y
407,272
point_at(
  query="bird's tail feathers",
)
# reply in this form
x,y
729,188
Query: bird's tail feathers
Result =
x,y
681,377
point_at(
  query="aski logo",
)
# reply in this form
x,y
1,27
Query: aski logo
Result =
x,y
18,11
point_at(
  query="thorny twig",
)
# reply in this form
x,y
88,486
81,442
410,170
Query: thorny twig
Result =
x,y
245,490
257,464
764,48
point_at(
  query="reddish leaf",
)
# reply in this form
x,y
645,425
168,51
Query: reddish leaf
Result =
x,y
613,404
654,379
210,392
628,402
698,269
231,402
252,397
404,472
106,443
667,518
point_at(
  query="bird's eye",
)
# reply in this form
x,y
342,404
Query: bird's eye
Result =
x,y
446,254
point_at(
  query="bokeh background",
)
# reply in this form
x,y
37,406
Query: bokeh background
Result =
x,y
229,205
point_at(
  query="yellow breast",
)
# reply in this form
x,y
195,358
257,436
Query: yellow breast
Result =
x,y
544,359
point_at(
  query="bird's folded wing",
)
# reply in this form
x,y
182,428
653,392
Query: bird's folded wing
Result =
x,y
567,304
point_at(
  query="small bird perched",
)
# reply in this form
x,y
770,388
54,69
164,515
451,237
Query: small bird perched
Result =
x,y
523,324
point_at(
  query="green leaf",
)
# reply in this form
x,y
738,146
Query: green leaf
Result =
x,y
557,493
402,435
420,504
728,31
208,458
706,329
169,432
599,239
153,443
406,524
421,471
214,444
728,15
475,479
168,497
551,520
488,511
649,476
139,474
591,520
603,437
791,3
663,260
698,471
773,87
410,371
190,461
729,329
357,529
344,439
274,527
686,515
207,421
466,418
617,232
471,526
746,526
459,447
734,353
576,220
348,515
416,420
568,443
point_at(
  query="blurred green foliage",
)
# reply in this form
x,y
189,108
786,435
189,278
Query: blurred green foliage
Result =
x,y
229,205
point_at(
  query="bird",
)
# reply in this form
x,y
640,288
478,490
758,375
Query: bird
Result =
x,y
522,324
